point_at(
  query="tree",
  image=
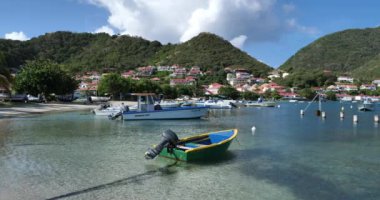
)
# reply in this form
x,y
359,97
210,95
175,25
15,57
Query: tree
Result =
x,y
331,96
114,84
146,85
44,77
250,96
185,90
229,92
307,93
169,91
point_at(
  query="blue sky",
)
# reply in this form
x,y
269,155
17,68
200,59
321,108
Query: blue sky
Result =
x,y
269,30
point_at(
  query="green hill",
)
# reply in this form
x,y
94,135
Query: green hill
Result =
x,y
86,51
348,51
208,50
370,70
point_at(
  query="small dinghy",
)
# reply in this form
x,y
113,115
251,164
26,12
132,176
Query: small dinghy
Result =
x,y
200,147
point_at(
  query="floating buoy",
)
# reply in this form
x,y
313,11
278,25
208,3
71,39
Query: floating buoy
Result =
x,y
323,115
355,118
341,115
278,106
351,106
302,112
376,118
253,129
342,108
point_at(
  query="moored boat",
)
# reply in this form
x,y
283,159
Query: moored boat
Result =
x,y
218,104
366,105
104,110
146,109
200,147
260,104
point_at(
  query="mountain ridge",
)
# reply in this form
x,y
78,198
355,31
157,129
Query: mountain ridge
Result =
x,y
87,51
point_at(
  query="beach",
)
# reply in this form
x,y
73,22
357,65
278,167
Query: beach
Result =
x,y
21,109
18,110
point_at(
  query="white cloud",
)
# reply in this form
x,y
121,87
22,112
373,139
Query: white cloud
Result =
x,y
105,29
293,24
16,36
239,41
180,20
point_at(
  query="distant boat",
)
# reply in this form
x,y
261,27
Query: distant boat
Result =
x,y
200,147
260,104
366,105
218,104
147,110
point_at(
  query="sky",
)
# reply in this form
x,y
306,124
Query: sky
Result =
x,y
269,30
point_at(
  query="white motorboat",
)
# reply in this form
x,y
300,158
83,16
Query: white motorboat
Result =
x,y
147,110
366,105
260,104
218,104
107,111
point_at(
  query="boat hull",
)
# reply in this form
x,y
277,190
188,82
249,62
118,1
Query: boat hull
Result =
x,y
365,107
211,151
178,113
106,112
261,104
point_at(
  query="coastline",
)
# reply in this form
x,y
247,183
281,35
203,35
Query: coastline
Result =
x,y
21,110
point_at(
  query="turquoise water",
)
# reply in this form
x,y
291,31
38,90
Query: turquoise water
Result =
x,y
80,156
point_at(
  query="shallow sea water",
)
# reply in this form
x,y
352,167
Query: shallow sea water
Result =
x,y
76,155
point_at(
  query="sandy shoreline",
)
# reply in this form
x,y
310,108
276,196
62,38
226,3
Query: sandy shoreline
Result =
x,y
19,110
40,108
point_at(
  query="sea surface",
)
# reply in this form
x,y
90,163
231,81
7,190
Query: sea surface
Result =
x,y
76,155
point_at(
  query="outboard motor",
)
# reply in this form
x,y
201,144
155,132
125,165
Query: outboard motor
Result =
x,y
169,139
233,105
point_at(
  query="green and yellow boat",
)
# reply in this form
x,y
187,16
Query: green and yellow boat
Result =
x,y
200,147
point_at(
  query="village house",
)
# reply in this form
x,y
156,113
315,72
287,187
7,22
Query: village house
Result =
x,y
348,87
238,81
194,71
213,89
345,79
87,87
145,71
368,87
179,72
128,74
254,80
277,74
182,81
242,73
376,82
271,87
333,88
165,69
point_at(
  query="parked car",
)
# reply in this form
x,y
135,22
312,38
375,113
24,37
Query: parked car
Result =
x,y
19,98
